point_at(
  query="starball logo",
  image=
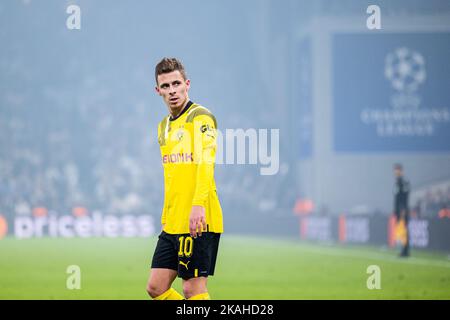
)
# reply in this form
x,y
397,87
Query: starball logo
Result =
x,y
405,69
408,115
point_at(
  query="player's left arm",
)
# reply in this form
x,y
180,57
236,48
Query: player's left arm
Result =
x,y
205,138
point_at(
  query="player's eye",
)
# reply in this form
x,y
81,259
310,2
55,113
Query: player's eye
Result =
x,y
164,86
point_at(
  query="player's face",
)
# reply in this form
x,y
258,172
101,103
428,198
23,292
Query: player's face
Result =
x,y
173,88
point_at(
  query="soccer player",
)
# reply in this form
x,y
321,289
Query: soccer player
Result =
x,y
191,216
401,207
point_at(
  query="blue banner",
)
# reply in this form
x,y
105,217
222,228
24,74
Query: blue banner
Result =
x,y
303,106
391,92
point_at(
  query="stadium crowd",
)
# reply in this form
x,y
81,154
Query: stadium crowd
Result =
x,y
89,144
433,202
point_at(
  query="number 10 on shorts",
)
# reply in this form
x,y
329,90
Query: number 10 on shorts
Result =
x,y
186,246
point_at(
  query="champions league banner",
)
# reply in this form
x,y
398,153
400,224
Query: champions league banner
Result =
x,y
391,92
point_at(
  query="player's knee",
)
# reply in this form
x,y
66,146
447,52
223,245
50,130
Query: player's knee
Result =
x,y
188,290
193,288
154,290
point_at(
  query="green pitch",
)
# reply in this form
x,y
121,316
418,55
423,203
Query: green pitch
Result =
x,y
248,268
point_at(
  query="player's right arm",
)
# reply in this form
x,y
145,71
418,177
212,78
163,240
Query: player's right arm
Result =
x,y
163,213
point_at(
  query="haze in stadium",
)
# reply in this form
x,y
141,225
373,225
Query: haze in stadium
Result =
x,y
332,146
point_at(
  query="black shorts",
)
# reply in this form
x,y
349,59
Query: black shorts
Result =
x,y
190,257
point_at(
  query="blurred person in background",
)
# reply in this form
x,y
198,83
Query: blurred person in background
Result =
x,y
401,208
444,211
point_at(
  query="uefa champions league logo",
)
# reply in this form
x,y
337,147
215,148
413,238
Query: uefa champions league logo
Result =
x,y
406,116
405,69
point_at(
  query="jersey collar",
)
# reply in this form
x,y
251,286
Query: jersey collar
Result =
x,y
188,105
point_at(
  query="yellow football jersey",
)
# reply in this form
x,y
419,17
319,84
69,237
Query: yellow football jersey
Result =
x,y
188,147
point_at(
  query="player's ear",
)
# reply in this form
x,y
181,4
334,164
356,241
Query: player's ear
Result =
x,y
188,83
157,90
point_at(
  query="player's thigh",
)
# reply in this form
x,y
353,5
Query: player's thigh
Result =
x,y
164,263
161,279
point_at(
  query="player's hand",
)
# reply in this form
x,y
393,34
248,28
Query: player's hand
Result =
x,y
197,221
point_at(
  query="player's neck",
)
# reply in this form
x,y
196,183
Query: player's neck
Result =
x,y
176,112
